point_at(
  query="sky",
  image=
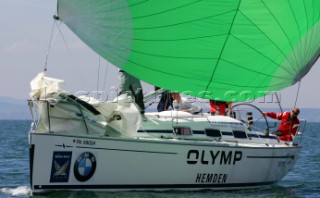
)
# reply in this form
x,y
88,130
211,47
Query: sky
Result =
x,y
25,31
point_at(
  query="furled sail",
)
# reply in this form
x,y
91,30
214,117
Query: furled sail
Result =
x,y
227,49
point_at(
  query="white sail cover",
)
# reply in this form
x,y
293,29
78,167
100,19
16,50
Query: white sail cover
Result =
x,y
42,86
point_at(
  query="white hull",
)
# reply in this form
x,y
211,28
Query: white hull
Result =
x,y
106,146
120,164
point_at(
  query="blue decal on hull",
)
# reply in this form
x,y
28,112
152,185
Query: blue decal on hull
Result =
x,y
60,166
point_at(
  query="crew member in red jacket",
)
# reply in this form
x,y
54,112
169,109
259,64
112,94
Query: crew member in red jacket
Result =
x,y
289,123
218,107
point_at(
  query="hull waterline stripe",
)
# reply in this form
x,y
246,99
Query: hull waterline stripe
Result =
x,y
163,186
145,186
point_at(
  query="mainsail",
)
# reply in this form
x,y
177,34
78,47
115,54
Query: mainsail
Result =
x,y
232,50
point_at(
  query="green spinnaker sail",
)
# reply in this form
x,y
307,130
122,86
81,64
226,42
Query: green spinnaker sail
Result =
x,y
232,50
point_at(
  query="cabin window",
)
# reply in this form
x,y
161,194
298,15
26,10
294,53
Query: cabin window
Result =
x,y
240,134
213,133
182,131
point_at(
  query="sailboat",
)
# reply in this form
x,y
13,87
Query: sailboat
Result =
x,y
235,51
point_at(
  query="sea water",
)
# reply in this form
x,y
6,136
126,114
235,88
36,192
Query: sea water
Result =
x,y
302,181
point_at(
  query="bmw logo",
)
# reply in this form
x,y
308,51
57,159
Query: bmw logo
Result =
x,y
84,166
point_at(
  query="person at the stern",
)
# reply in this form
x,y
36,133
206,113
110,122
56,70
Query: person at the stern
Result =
x,y
289,123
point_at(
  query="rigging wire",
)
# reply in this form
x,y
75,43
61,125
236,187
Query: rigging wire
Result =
x,y
72,58
52,39
106,96
279,103
98,79
105,77
295,103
